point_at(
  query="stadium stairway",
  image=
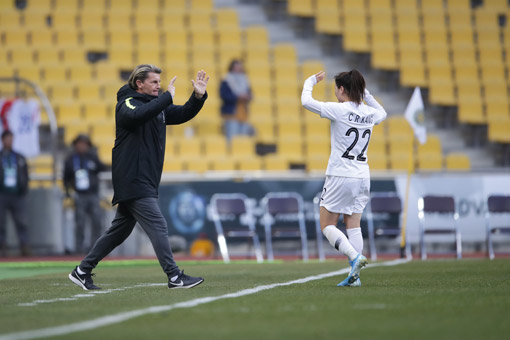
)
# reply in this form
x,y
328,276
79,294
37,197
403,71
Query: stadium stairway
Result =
x,y
310,45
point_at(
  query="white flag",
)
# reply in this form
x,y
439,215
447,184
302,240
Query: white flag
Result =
x,y
415,116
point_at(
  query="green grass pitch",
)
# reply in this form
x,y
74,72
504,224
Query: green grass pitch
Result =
x,y
437,299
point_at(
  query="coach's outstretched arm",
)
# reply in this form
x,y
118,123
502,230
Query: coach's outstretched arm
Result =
x,y
306,96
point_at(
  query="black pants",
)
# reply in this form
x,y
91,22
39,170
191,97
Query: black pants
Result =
x,y
146,212
87,208
16,205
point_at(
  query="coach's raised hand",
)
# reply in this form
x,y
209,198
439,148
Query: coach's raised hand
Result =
x,y
171,86
200,84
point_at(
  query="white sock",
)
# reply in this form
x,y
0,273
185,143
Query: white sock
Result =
x,y
338,240
356,239
81,272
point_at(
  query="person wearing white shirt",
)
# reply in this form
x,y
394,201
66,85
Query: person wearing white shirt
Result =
x,y
347,186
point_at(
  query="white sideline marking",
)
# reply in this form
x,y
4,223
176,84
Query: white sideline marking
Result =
x,y
89,294
121,317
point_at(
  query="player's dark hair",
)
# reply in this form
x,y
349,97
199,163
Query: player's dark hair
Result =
x,y
353,83
141,72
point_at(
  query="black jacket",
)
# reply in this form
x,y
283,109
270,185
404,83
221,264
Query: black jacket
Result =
x,y
138,154
6,157
89,162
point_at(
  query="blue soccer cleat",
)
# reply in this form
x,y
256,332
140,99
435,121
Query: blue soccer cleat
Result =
x,y
359,262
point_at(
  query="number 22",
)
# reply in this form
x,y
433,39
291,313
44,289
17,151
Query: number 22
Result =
x,y
360,157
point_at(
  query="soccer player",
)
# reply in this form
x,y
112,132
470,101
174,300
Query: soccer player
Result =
x,y
141,116
347,186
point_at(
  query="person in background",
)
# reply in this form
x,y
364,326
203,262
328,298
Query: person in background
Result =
x,y
235,92
13,189
81,169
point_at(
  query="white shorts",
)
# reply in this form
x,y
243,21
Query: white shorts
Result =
x,y
345,195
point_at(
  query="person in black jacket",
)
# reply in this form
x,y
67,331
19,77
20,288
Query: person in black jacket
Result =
x,y
141,116
13,189
81,169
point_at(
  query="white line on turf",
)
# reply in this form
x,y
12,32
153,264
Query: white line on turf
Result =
x,y
89,294
121,317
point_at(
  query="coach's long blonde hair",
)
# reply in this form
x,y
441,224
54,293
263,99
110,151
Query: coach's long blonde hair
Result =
x,y
141,72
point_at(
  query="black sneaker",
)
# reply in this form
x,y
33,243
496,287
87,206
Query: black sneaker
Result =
x,y
84,281
182,280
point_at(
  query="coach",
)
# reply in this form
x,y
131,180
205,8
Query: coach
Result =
x,y
137,163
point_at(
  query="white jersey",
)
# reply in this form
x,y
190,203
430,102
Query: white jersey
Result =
x,y
23,119
351,129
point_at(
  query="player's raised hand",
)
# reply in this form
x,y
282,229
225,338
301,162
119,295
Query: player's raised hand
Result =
x,y
200,84
320,76
171,86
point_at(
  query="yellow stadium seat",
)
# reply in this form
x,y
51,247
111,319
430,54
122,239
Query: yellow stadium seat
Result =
x,y
284,54
67,39
253,163
198,165
141,24
227,19
275,163
41,38
256,36
189,147
223,164
377,161
201,5
69,112
47,56
175,5
80,73
64,20
35,20
215,147
327,21
200,20
61,92
88,91
91,18
94,40
317,163
97,112
497,108
173,165
94,6
123,57
15,38
430,162
455,5
242,146
442,92
457,162
173,20
400,161
433,145
120,38
119,21
55,74
471,111
355,38
317,146
30,72
302,8
290,147
10,18
20,56
498,131
148,55
42,5
68,5
121,6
